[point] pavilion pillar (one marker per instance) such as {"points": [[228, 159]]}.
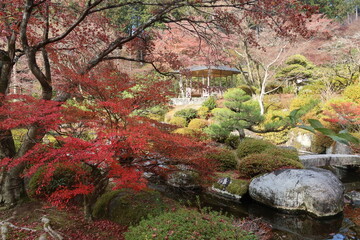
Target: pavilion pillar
{"points": [[181, 86], [208, 85], [203, 93]]}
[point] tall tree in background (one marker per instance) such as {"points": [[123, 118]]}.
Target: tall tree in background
{"points": [[63, 43], [336, 9]]}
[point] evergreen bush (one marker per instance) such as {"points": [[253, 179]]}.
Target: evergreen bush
{"points": [[187, 113], [260, 163], [232, 141], [225, 158], [250, 146], [210, 103]]}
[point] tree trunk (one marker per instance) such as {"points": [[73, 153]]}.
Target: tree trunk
{"points": [[12, 186], [241, 134]]}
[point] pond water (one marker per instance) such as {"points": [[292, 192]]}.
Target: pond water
{"points": [[295, 226]]}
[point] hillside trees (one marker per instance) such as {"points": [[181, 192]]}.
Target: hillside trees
{"points": [[336, 9], [65, 44]]}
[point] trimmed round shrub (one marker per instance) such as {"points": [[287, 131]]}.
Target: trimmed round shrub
{"points": [[225, 158], [128, 207], [187, 113], [198, 123], [232, 141], [188, 224], [178, 121], [210, 103], [260, 163], [204, 112], [352, 92], [250, 145], [188, 132], [282, 152]]}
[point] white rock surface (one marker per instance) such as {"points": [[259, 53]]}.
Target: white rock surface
{"points": [[314, 190]]}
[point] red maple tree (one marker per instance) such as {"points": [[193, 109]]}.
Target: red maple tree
{"points": [[66, 45]]}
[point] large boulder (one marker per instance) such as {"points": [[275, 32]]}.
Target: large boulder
{"points": [[314, 190]]}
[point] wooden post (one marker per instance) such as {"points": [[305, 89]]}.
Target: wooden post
{"points": [[203, 87]]}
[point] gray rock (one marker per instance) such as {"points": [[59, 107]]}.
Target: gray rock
{"points": [[300, 139], [316, 191], [353, 197], [339, 148], [183, 179]]}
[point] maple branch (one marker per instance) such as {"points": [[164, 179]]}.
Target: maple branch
{"points": [[85, 13], [140, 61], [122, 40]]}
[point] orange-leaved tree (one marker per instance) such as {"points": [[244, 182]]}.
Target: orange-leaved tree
{"points": [[64, 46]]}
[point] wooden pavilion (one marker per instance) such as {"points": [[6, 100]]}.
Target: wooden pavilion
{"points": [[204, 81]]}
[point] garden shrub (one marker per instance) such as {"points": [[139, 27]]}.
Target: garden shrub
{"points": [[204, 112], [250, 145], [128, 206], [275, 119], [156, 117], [184, 131], [282, 152], [216, 133], [157, 113], [260, 163], [188, 224], [197, 123], [187, 113], [225, 158], [178, 121], [232, 141], [276, 137], [352, 92], [210, 103]]}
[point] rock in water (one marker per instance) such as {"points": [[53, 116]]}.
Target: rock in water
{"points": [[314, 190]]}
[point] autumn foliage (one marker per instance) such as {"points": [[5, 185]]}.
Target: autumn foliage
{"points": [[101, 137]]}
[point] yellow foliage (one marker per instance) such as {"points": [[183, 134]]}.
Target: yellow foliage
{"points": [[178, 121], [198, 123], [353, 92]]}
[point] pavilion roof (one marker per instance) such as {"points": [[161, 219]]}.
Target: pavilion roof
{"points": [[212, 71]]}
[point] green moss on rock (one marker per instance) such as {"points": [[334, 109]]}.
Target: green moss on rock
{"points": [[128, 207]]}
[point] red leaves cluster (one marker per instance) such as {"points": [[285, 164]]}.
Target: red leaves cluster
{"points": [[22, 111], [346, 114], [101, 137]]}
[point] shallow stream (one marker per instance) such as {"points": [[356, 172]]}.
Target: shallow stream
{"points": [[295, 226]]}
